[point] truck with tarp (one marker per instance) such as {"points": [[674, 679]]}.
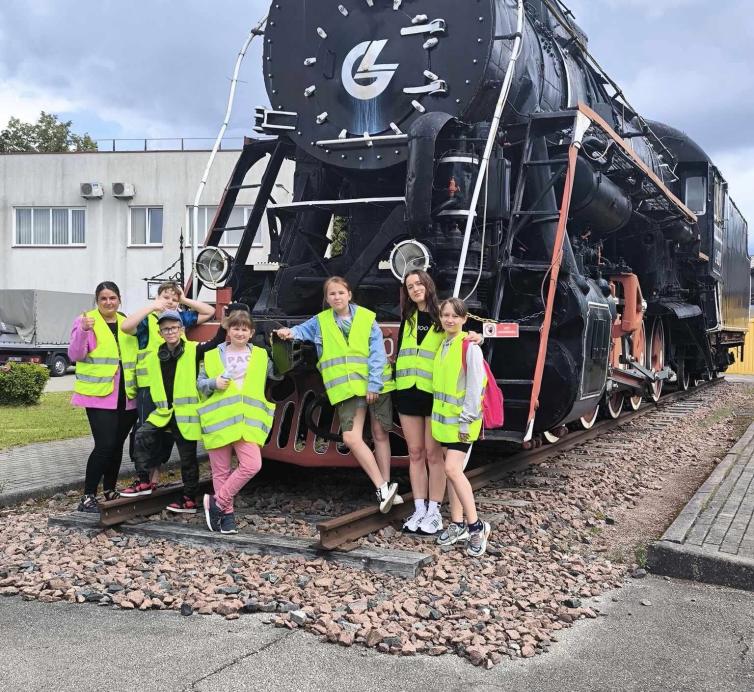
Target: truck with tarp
{"points": [[35, 326]]}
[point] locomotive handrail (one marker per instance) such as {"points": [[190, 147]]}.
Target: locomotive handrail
{"points": [[255, 31], [502, 98]]}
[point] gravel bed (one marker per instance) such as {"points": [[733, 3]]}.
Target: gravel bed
{"points": [[555, 528]]}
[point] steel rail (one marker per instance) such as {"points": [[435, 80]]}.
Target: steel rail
{"points": [[348, 528], [340, 531]]}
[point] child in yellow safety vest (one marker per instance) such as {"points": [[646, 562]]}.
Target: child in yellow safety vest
{"points": [[357, 376], [170, 376], [235, 416], [458, 389], [419, 338]]}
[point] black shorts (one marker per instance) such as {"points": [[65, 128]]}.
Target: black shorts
{"points": [[458, 446], [413, 402]]}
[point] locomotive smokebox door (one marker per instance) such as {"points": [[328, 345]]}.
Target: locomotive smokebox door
{"points": [[364, 72]]}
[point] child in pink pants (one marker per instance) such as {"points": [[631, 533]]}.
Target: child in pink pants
{"points": [[222, 379], [227, 483]]}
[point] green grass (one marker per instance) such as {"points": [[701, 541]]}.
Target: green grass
{"points": [[53, 418], [717, 415]]}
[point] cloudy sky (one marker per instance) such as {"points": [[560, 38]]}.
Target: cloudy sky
{"points": [[142, 69]]}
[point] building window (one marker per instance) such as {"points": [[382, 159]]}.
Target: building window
{"points": [[146, 226], [238, 217], [50, 226]]}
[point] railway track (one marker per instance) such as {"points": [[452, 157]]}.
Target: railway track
{"points": [[342, 532]]}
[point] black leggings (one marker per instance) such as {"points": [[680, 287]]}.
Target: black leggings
{"points": [[110, 429]]}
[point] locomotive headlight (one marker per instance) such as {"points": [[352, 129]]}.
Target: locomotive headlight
{"points": [[213, 266], [408, 256]]}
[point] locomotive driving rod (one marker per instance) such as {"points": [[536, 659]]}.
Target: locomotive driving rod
{"points": [[338, 532]]}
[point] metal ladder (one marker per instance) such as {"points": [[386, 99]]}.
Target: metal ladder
{"points": [[520, 218]]}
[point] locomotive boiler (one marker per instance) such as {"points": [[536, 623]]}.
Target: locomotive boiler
{"points": [[599, 251]]}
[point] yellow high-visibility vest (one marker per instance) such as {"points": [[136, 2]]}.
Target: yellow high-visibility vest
{"points": [[154, 342], [344, 365], [185, 394], [448, 400], [95, 374], [237, 414], [415, 363]]}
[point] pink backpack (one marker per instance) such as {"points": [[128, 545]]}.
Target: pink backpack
{"points": [[492, 397]]}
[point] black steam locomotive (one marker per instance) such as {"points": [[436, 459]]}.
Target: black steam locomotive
{"points": [[481, 139]]}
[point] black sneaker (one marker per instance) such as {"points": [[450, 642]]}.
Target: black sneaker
{"points": [[212, 513], [228, 523], [111, 495], [88, 504]]}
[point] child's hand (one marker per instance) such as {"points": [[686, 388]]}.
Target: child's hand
{"points": [[158, 305], [87, 323], [222, 383], [474, 338], [283, 333], [372, 397]]}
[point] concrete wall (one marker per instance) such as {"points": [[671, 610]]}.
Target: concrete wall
{"points": [[166, 179]]}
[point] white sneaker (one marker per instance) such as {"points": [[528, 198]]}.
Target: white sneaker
{"points": [[397, 500], [411, 525], [477, 544], [386, 499], [430, 524]]}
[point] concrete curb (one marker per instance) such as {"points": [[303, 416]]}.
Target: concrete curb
{"points": [[696, 564], [673, 557], [10, 499]]}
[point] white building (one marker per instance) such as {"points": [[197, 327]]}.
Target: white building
{"points": [[53, 237]]}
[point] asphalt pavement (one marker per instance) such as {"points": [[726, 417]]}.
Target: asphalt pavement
{"points": [[689, 637], [61, 384]]}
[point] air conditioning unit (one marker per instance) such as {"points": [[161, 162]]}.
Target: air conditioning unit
{"points": [[123, 190], [92, 190]]}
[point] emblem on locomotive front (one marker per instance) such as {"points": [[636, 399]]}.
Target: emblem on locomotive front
{"points": [[380, 75]]}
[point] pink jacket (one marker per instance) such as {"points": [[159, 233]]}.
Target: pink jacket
{"points": [[84, 342]]}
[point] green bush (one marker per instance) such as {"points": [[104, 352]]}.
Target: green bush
{"points": [[22, 383]]}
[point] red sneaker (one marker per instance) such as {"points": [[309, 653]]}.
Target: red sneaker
{"points": [[138, 488], [183, 506]]}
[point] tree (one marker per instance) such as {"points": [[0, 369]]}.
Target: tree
{"points": [[339, 236], [48, 134]]}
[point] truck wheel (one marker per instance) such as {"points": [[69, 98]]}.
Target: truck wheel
{"points": [[58, 365]]}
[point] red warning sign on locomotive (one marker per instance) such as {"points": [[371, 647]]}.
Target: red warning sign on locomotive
{"points": [[501, 330]]}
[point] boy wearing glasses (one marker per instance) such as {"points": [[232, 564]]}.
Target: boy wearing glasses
{"points": [[170, 375], [143, 325]]}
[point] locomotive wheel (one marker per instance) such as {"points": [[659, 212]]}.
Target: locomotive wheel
{"points": [[634, 402], [587, 422], [703, 376], [656, 357], [613, 405], [554, 435], [550, 438], [684, 378]]}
